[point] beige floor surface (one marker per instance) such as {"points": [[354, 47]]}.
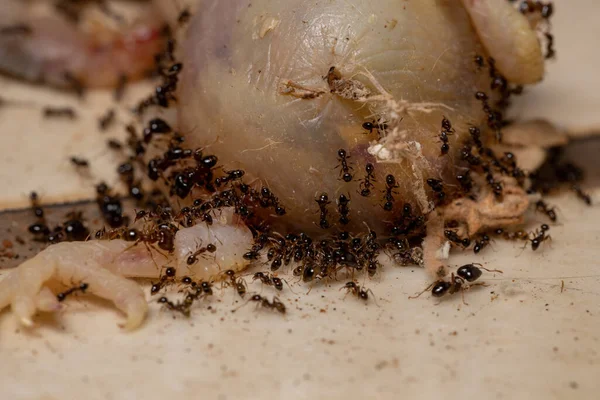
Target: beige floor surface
{"points": [[520, 338]]}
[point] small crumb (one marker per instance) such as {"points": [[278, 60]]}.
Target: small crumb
{"points": [[573, 385], [7, 244]]}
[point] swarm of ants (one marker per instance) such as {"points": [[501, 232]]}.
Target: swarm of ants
{"points": [[333, 253]]}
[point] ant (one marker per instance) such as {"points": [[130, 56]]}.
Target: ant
{"points": [[18, 29], [345, 171], [239, 284], [184, 16], [323, 201], [481, 243], [479, 61], [269, 280], [582, 195], [541, 206], [476, 136], [539, 237], [231, 176], [467, 273], [193, 258], [164, 280], [378, 125], [444, 133], [465, 181], [156, 125], [114, 144], [359, 291], [367, 184], [275, 304], [454, 238], [344, 209], [79, 162], [390, 185], [63, 295], [437, 186], [182, 307], [56, 112], [106, 120]]}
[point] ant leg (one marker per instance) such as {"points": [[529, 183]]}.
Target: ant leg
{"points": [[424, 290]]}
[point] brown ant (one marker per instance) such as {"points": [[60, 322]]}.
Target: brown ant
{"points": [[193, 258], [541, 206], [63, 295], [345, 171], [367, 184], [390, 185], [359, 291]]}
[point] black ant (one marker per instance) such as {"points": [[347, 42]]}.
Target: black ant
{"points": [[481, 243], [367, 184], [181, 307], [438, 187], [106, 120], [56, 112], [345, 171], [164, 280], [269, 280], [479, 61], [344, 209], [184, 16], [193, 258], [230, 177], [156, 125], [370, 126], [539, 237], [323, 201], [454, 238], [63, 295], [465, 181], [79, 162], [18, 29], [359, 291], [476, 136], [467, 273], [275, 304], [446, 131], [582, 195], [239, 284], [390, 185], [114, 144], [541, 206]]}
